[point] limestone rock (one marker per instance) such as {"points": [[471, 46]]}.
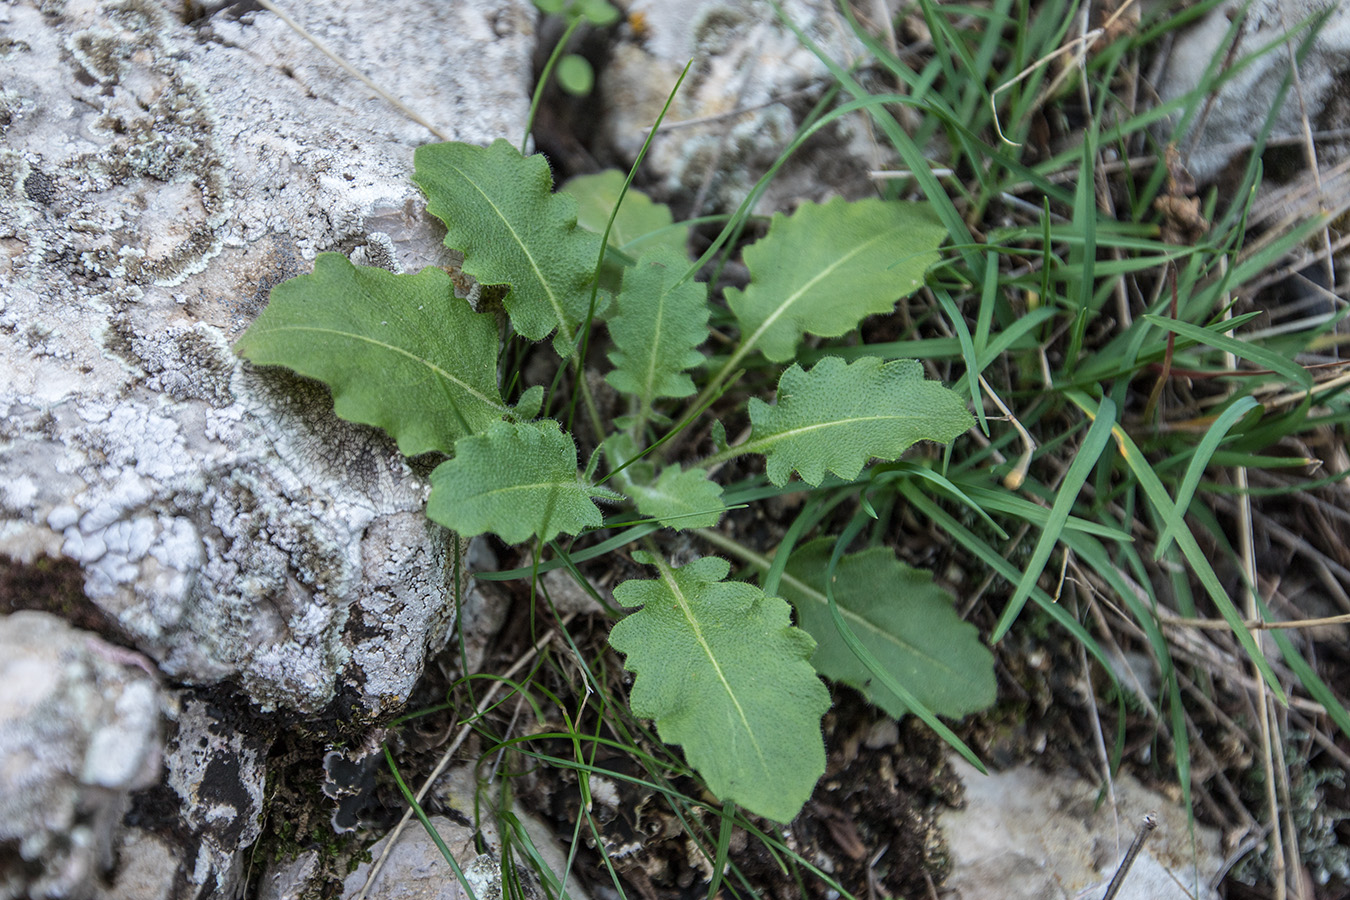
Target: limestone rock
{"points": [[157, 178], [751, 85], [1028, 835], [416, 869], [1239, 111], [79, 732], [147, 869]]}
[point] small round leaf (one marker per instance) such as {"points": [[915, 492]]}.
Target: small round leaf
{"points": [[575, 75]]}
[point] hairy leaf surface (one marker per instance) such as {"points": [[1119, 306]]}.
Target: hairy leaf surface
{"points": [[656, 328], [499, 210], [641, 224], [515, 480], [399, 352], [837, 416], [724, 674], [905, 620], [824, 268], [680, 498]]}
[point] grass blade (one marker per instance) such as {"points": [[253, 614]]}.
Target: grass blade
{"points": [[1084, 460]]}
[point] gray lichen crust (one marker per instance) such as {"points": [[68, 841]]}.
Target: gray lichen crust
{"points": [[157, 179]]}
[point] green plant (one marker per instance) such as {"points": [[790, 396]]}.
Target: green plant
{"points": [[718, 664], [1153, 429]]}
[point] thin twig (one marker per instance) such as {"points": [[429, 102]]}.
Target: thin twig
{"points": [[1014, 479], [1099, 740], [1309, 146], [1264, 701], [1145, 829], [1251, 624], [676, 124], [1070, 47]]}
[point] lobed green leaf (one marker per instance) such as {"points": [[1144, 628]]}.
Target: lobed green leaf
{"points": [[516, 481], [724, 674], [680, 498], [905, 620], [657, 327], [399, 352], [824, 268], [837, 416], [641, 224], [499, 209]]}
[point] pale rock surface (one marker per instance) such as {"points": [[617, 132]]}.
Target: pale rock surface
{"points": [[460, 789], [416, 870], [290, 879], [79, 733], [147, 869], [157, 178], [1242, 105], [751, 84], [1028, 835]]}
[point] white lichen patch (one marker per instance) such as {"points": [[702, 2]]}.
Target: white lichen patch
{"points": [[140, 184]]}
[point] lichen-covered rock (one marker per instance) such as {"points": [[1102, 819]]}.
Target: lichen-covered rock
{"points": [[750, 87], [79, 732], [216, 771], [157, 178]]}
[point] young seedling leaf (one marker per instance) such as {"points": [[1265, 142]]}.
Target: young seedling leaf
{"points": [[399, 352], [597, 12], [516, 480], [724, 674], [837, 416], [641, 224], [824, 268], [905, 620], [575, 75], [679, 499], [656, 328], [499, 210]]}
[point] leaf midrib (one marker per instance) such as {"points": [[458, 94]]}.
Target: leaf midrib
{"points": [[649, 388], [752, 445], [558, 311], [463, 385], [686, 609], [801, 291]]}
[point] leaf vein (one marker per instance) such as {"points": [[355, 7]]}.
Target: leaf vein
{"points": [[465, 386], [796, 295], [558, 311], [689, 616]]}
